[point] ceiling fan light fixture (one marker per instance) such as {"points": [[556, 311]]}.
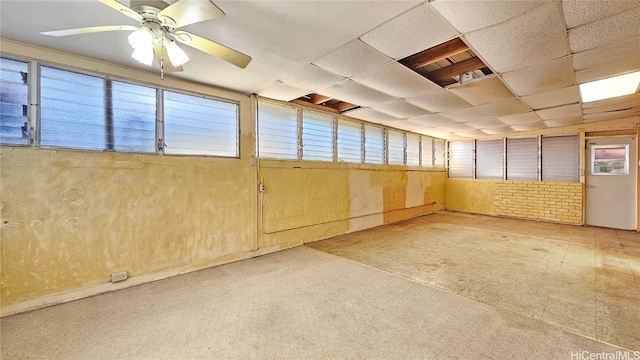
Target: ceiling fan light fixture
{"points": [[177, 56], [143, 55], [141, 38]]}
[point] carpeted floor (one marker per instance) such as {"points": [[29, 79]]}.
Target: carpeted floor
{"points": [[295, 304]]}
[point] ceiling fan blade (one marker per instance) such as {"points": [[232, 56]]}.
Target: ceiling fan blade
{"points": [[123, 9], [185, 12], [161, 53], [212, 48], [88, 30]]}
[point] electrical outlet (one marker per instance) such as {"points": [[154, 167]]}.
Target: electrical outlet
{"points": [[119, 276]]}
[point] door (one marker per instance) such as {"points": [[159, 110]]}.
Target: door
{"points": [[611, 182]]}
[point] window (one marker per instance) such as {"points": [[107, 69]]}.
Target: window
{"points": [[88, 112], [13, 102], [489, 159], [439, 151], [427, 152], [396, 147], [277, 131], [374, 144], [349, 141], [196, 125], [413, 150], [560, 158], [317, 136], [461, 160], [610, 159], [522, 159]]}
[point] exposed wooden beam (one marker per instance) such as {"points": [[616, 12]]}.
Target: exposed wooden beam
{"points": [[344, 106], [315, 106], [318, 99], [436, 53], [456, 69]]}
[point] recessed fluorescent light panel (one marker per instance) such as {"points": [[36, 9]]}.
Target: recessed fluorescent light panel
{"points": [[609, 88]]}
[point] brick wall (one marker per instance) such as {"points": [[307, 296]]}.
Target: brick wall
{"points": [[550, 201]]}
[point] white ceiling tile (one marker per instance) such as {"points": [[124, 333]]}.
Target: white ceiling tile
{"points": [[498, 130], [457, 127], [433, 120], [370, 115], [630, 64], [529, 126], [531, 38], [464, 115], [607, 31], [486, 123], [580, 12], [482, 91], [473, 15], [401, 109], [470, 133], [530, 117], [284, 92], [572, 120], [606, 54], [355, 93], [408, 125], [552, 98], [447, 135], [504, 108], [351, 59], [418, 29], [560, 112], [439, 101], [552, 75], [312, 78], [397, 80]]}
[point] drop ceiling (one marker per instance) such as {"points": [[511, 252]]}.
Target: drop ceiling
{"points": [[348, 56]]}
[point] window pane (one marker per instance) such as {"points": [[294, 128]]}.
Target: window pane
{"points": [[610, 159], [13, 102], [439, 150], [349, 141], [317, 136], [278, 131], [199, 126], [461, 160], [427, 152], [489, 159], [72, 110], [373, 144], [134, 117], [522, 159], [396, 148], [560, 158], [413, 150]]}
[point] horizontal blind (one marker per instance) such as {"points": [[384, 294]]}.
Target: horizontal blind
{"points": [[13, 102], [349, 141], [413, 150], [72, 110], [200, 126], [278, 131], [317, 136], [373, 144], [396, 148], [427, 152], [134, 117], [461, 160], [560, 158], [522, 159], [439, 152], [489, 159]]}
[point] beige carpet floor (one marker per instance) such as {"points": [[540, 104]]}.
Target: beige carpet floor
{"points": [[295, 304]]}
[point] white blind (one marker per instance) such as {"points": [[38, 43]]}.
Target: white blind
{"points": [[373, 144], [13, 102], [278, 131], [489, 159], [396, 147], [349, 141], [413, 150], [439, 151], [560, 158], [199, 126], [461, 160], [317, 136], [522, 159], [427, 152]]}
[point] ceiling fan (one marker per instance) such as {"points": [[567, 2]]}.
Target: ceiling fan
{"points": [[158, 32]]}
